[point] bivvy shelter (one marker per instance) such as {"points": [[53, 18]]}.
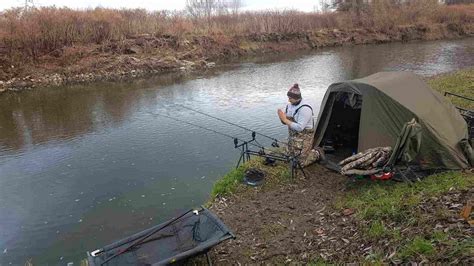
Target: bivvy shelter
{"points": [[396, 109]]}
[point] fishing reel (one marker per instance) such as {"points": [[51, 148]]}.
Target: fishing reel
{"points": [[275, 144]]}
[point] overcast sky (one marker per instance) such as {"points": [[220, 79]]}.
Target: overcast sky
{"points": [[302, 5]]}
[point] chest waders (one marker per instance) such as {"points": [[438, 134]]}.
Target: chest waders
{"points": [[300, 142]]}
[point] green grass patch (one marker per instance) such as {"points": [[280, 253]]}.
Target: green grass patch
{"points": [[375, 258], [393, 201], [381, 204], [418, 246], [462, 248], [439, 236], [377, 230], [228, 183], [460, 82], [232, 181]]}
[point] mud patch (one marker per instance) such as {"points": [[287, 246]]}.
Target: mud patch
{"points": [[292, 222]]}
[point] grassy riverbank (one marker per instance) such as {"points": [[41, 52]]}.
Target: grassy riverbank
{"points": [[329, 219], [414, 222], [52, 46], [231, 183], [460, 82]]}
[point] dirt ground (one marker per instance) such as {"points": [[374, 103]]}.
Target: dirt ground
{"points": [[287, 223], [298, 223]]}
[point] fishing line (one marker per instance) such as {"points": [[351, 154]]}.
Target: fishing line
{"points": [[207, 129], [243, 145], [233, 124]]}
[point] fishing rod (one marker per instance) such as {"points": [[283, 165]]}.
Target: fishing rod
{"points": [[245, 152], [236, 139], [275, 141]]}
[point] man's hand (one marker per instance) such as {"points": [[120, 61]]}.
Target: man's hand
{"points": [[281, 115], [284, 120]]}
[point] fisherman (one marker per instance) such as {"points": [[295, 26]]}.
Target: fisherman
{"points": [[298, 116]]}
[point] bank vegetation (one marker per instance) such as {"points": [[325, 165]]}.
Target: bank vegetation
{"points": [[75, 44]]}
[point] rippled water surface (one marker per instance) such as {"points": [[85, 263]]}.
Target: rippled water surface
{"points": [[81, 166]]}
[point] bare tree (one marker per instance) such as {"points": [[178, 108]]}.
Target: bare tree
{"points": [[235, 6], [324, 6], [220, 7], [346, 5], [208, 8], [201, 8]]}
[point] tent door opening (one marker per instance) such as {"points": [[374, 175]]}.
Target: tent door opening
{"points": [[341, 138]]}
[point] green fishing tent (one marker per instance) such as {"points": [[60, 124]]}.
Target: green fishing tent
{"points": [[396, 109]]}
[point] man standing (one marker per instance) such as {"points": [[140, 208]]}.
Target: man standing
{"points": [[298, 116]]}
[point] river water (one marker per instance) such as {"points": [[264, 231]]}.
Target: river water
{"points": [[81, 166]]}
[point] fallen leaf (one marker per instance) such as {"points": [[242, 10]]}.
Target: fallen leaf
{"points": [[348, 212], [466, 211], [319, 231], [367, 248], [392, 255]]}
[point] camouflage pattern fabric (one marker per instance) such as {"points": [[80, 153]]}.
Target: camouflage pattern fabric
{"points": [[300, 143]]}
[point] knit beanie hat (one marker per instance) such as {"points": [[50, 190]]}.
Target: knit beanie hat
{"points": [[294, 92]]}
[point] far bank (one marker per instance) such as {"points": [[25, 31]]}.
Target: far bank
{"points": [[35, 55]]}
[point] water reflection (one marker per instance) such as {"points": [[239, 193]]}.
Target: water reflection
{"points": [[81, 166], [35, 117]]}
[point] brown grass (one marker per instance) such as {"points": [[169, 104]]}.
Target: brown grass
{"points": [[44, 31]]}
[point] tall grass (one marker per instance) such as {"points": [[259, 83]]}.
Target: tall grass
{"points": [[42, 31]]}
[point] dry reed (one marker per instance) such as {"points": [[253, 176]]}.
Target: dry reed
{"points": [[43, 31]]}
